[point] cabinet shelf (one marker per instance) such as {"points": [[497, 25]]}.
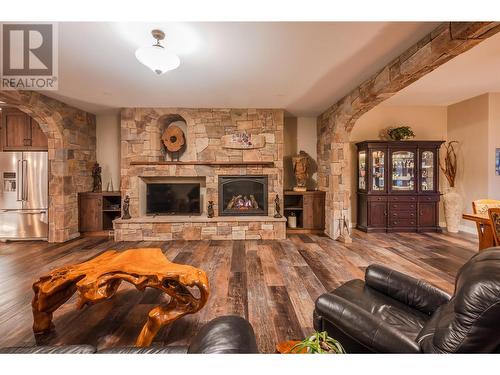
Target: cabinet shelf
{"points": [[95, 212], [309, 209]]}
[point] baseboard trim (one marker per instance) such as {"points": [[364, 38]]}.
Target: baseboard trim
{"points": [[442, 224], [461, 228], [466, 229]]}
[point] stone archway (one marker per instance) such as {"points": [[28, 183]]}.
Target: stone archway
{"points": [[71, 152], [334, 125]]}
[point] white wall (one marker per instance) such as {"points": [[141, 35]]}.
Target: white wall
{"points": [[300, 134], [475, 124], [108, 148], [493, 144], [307, 139], [427, 122]]}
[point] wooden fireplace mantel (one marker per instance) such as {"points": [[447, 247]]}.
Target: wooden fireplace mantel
{"points": [[212, 163]]}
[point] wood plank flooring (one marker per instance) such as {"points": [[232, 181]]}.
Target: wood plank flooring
{"points": [[271, 283]]}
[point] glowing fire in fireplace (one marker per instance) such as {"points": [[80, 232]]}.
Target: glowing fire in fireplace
{"points": [[242, 202]]}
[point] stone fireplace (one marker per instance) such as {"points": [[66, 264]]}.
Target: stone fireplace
{"points": [[242, 195], [207, 161]]}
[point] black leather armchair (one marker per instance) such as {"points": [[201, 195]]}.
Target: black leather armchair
{"points": [[224, 335], [394, 313]]}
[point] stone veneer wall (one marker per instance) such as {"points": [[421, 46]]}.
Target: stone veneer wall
{"points": [[71, 153], [335, 124], [140, 141], [136, 230]]}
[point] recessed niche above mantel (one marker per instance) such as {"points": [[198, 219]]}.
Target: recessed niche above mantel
{"points": [[212, 163]]}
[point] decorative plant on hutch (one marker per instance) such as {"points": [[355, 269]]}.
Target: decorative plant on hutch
{"points": [[451, 199], [400, 133]]}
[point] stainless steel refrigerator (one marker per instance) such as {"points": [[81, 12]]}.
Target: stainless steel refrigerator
{"points": [[24, 195]]}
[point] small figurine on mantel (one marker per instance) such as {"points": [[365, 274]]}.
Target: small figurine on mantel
{"points": [[301, 170], [277, 208], [210, 209], [96, 176], [126, 208]]}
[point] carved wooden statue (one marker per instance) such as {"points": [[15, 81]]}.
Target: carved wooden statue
{"points": [[210, 209], [126, 208], [277, 208], [301, 170], [98, 279], [96, 176]]}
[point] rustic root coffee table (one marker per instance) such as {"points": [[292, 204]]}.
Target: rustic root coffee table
{"points": [[99, 278]]}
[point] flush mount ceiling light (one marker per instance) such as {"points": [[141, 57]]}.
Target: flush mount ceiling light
{"points": [[156, 57]]}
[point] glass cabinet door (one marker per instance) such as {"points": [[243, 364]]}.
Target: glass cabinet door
{"points": [[378, 170], [403, 170], [362, 170], [427, 171]]}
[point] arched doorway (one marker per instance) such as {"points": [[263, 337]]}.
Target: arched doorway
{"points": [[71, 152]]}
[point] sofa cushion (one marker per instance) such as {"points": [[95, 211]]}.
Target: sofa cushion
{"points": [[469, 323], [405, 319], [146, 350], [66, 349]]}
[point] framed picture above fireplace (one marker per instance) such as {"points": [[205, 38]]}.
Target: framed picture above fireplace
{"points": [[243, 195]]}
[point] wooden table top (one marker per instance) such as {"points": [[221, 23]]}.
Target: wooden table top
{"points": [[482, 218], [98, 279]]}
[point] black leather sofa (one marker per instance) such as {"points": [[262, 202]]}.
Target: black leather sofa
{"points": [[393, 313], [224, 335]]}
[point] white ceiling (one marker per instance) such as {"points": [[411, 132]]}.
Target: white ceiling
{"points": [[301, 67], [472, 73]]}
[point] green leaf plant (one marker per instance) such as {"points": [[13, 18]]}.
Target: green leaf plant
{"points": [[318, 343], [400, 133]]}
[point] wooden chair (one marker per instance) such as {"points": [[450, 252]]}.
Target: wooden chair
{"points": [[481, 206], [494, 214], [485, 231]]}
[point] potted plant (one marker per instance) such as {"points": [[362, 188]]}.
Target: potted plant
{"points": [[400, 133], [451, 199], [318, 343]]}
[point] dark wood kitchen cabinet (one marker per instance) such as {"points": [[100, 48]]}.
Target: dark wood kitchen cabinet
{"points": [[398, 186], [20, 132], [96, 211]]}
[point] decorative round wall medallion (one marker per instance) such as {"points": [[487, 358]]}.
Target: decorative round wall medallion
{"points": [[173, 138]]}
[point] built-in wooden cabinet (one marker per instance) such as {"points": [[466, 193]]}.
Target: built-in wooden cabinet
{"points": [[398, 186], [308, 207], [97, 211], [20, 132]]}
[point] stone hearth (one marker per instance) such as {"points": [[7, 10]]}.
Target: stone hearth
{"points": [[166, 228], [141, 130]]}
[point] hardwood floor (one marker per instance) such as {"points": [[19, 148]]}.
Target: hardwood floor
{"points": [[271, 283]]}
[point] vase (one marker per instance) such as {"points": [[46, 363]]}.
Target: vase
{"points": [[452, 210]]}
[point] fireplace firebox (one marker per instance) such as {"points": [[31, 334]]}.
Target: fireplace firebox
{"points": [[242, 195]]}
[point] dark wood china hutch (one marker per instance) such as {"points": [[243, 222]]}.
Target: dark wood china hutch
{"points": [[398, 186]]}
